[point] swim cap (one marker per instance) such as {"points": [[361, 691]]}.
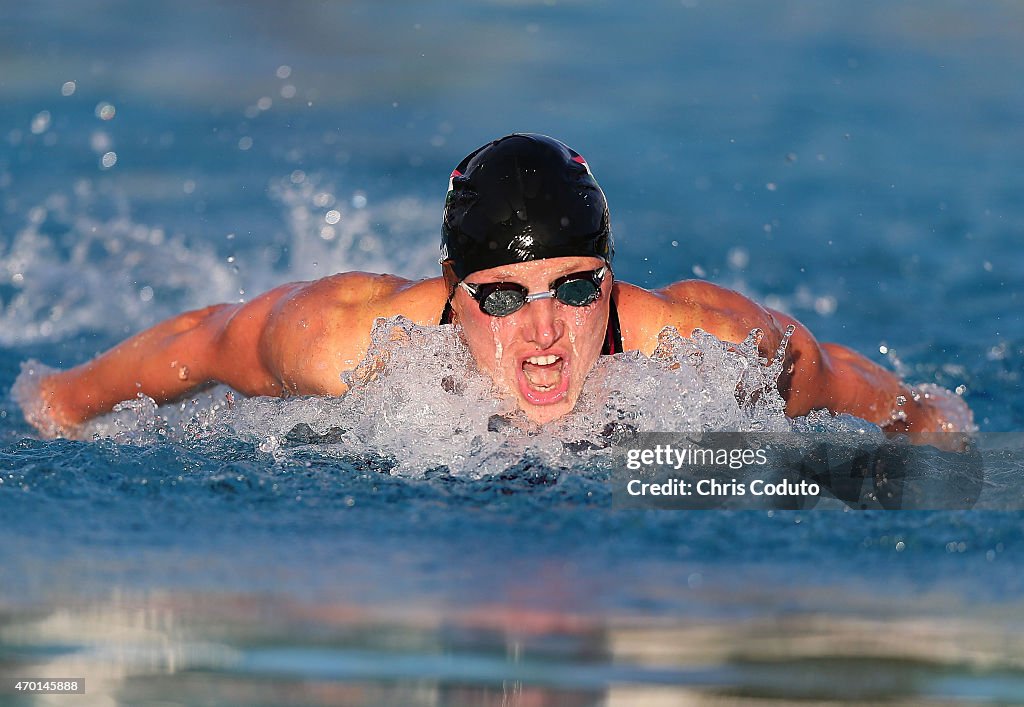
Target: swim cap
{"points": [[522, 197]]}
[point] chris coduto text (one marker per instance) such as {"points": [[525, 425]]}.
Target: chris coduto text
{"points": [[667, 456]]}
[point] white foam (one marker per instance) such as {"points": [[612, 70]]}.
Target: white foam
{"points": [[25, 393], [419, 399]]}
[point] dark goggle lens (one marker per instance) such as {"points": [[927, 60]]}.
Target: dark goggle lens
{"points": [[578, 292], [503, 302]]}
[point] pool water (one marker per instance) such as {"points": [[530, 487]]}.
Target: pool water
{"points": [[857, 166]]}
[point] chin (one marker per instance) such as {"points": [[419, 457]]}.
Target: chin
{"points": [[541, 414]]}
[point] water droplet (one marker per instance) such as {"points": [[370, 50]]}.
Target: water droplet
{"points": [[41, 122], [99, 141], [265, 103], [108, 160], [105, 111], [901, 400], [332, 217], [883, 349], [288, 91], [825, 305], [68, 88], [284, 71], [146, 293], [738, 258], [245, 143]]}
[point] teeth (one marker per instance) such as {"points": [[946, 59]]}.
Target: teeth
{"points": [[542, 360]]}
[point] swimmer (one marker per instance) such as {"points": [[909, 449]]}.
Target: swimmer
{"points": [[527, 276]]}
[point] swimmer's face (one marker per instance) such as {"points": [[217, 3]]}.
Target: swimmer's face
{"points": [[542, 353]]}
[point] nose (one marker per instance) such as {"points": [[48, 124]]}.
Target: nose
{"points": [[542, 323]]}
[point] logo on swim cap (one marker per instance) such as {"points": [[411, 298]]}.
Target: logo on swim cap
{"points": [[455, 173], [522, 197], [579, 159]]}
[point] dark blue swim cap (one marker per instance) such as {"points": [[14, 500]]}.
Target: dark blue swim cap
{"points": [[522, 197]]}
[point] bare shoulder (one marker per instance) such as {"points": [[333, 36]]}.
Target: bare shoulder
{"points": [[688, 305], [317, 330], [352, 291]]}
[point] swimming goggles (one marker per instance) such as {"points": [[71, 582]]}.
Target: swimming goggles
{"points": [[500, 299]]}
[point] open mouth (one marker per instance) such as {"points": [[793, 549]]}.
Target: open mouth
{"points": [[543, 379]]}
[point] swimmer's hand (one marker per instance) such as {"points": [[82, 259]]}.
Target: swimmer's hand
{"points": [[931, 415], [33, 390]]}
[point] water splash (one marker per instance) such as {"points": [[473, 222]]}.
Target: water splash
{"points": [[25, 393], [418, 400], [67, 270], [329, 234]]}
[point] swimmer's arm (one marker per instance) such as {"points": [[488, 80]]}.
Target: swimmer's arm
{"points": [[833, 377], [815, 376], [297, 339], [165, 362]]}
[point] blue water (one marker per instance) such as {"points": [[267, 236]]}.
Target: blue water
{"points": [[857, 165]]}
